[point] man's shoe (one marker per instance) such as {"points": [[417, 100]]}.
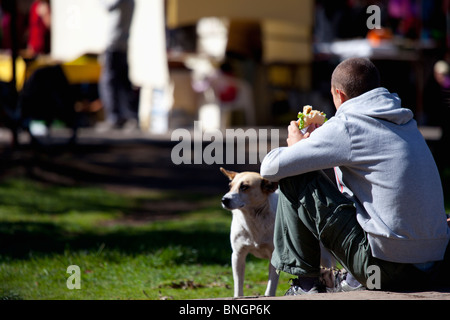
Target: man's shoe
{"points": [[341, 284], [345, 287], [130, 125], [296, 288], [106, 126]]}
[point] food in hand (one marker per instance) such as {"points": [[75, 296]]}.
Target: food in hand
{"points": [[310, 116]]}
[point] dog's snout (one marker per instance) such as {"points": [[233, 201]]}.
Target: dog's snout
{"points": [[232, 201], [226, 202]]}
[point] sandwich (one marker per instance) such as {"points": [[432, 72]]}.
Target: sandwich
{"points": [[310, 116]]}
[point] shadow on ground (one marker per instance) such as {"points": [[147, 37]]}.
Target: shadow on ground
{"points": [[125, 164], [196, 245]]}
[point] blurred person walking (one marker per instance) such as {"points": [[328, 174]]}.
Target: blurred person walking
{"points": [[115, 86], [40, 22]]}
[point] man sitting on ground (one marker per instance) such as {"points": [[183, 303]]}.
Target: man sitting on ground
{"points": [[388, 209]]}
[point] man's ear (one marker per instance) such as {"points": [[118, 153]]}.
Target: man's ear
{"points": [[268, 186], [229, 174], [342, 95]]}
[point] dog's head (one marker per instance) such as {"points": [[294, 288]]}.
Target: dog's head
{"points": [[247, 189]]}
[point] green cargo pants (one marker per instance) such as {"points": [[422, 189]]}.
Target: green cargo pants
{"points": [[311, 209]]}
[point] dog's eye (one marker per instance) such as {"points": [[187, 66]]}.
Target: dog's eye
{"points": [[243, 187]]}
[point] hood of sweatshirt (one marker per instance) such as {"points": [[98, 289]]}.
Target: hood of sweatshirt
{"points": [[378, 103]]}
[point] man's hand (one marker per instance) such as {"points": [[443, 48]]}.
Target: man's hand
{"points": [[295, 135]]}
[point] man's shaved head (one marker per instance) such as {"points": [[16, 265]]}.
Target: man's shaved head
{"points": [[355, 76]]}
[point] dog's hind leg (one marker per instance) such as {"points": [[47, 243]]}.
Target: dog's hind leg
{"points": [[273, 282], [238, 265]]}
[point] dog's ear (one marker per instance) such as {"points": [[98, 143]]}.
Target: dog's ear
{"points": [[229, 174], [268, 186]]}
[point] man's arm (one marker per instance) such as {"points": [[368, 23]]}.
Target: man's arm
{"points": [[326, 147]]}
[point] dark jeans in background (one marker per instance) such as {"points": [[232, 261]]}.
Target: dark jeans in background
{"points": [[115, 88]]}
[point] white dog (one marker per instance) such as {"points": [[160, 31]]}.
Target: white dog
{"points": [[253, 202]]}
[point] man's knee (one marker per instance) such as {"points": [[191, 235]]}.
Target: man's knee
{"points": [[293, 187]]}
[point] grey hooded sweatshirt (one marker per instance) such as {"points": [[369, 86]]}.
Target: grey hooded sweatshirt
{"points": [[384, 165]]}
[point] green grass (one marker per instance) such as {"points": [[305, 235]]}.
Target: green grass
{"points": [[121, 255]]}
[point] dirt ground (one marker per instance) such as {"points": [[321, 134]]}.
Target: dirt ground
{"points": [[132, 163], [363, 295]]}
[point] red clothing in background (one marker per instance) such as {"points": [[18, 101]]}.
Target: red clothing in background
{"points": [[39, 38]]}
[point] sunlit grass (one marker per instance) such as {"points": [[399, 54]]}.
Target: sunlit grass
{"points": [[45, 229]]}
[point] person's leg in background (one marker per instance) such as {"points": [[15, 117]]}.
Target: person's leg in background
{"points": [[108, 89]]}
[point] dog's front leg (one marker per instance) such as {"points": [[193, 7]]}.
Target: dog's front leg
{"points": [[238, 265], [273, 281]]}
